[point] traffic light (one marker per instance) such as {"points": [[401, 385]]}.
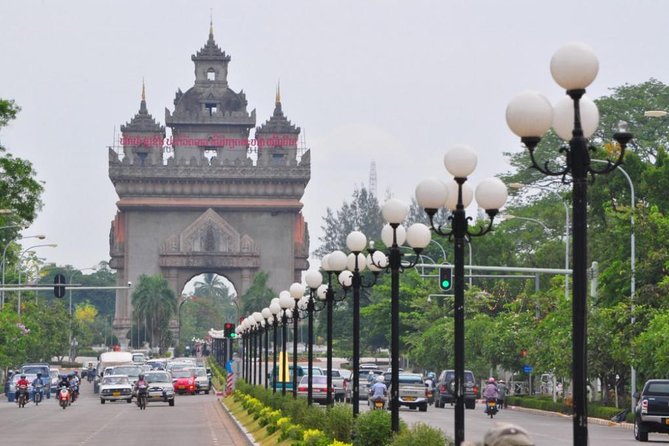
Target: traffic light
{"points": [[229, 330], [59, 286], [445, 278]]}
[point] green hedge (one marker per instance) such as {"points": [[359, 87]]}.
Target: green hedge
{"points": [[546, 403]]}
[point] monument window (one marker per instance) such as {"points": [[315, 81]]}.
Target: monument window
{"points": [[211, 75], [277, 158], [211, 107]]}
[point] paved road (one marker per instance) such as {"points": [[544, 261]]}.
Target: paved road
{"points": [[547, 430], [194, 420]]}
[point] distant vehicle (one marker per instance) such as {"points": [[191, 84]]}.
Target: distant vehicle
{"points": [[367, 377], [318, 388], [288, 381], [160, 387], [412, 390], [338, 378], [110, 359], [652, 409], [132, 371], [115, 388], [202, 380], [138, 358], [184, 381], [443, 390], [53, 376], [42, 368]]}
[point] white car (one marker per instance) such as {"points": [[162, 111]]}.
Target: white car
{"points": [[160, 386], [202, 380], [114, 388]]}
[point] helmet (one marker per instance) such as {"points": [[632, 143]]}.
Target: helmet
{"points": [[76, 372], [380, 378], [431, 375], [141, 376], [23, 376], [491, 380], [39, 374]]}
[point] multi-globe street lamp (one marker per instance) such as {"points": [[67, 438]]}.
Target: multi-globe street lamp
{"points": [[333, 263], [275, 309], [574, 118], [269, 321], [286, 302], [418, 237], [260, 328], [433, 194], [296, 291], [4, 256]]}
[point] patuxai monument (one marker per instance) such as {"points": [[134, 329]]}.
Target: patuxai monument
{"points": [[207, 198]]}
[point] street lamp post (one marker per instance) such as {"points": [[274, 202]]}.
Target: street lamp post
{"points": [[269, 321], [4, 256], [285, 301], [335, 262], [575, 118], [314, 280], [260, 327], [296, 292], [275, 308], [418, 237], [456, 195]]}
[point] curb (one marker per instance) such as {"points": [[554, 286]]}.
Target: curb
{"points": [[249, 438], [591, 420]]}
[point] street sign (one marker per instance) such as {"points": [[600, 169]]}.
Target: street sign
{"points": [[59, 286], [527, 369]]}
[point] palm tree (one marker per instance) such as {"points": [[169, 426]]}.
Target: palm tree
{"points": [[215, 295], [155, 303]]}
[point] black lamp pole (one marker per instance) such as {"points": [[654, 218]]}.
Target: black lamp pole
{"points": [[285, 360], [275, 373], [529, 115], [296, 320], [267, 353]]}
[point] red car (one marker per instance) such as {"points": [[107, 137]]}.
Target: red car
{"points": [[184, 381]]}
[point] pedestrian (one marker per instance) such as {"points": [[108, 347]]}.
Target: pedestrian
{"points": [[504, 434]]}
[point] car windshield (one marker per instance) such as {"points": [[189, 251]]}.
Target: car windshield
{"points": [[53, 373], [410, 379], [132, 371], [200, 372], [157, 378], [316, 379], [658, 388], [115, 380], [181, 373], [33, 370]]}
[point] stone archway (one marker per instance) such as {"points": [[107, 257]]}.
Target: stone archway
{"points": [[187, 211]]}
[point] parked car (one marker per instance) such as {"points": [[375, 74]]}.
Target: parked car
{"points": [[160, 387], [319, 388], [338, 378], [652, 409], [202, 380], [115, 388], [288, 380], [443, 392], [184, 381]]}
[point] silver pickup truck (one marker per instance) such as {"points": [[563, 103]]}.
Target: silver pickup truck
{"points": [[338, 378], [412, 392]]}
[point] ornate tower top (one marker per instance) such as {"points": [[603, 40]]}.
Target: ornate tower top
{"points": [[278, 124], [143, 122]]}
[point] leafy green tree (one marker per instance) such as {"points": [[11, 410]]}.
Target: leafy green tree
{"points": [[259, 295], [155, 304], [363, 213]]}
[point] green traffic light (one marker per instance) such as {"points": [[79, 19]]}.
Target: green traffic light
{"points": [[445, 284], [232, 335]]}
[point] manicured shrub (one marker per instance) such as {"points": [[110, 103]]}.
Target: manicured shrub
{"points": [[421, 434], [372, 429], [339, 422]]}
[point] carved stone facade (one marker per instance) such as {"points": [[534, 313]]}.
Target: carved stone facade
{"points": [[189, 213]]}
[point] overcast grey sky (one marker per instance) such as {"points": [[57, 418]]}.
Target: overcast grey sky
{"points": [[393, 82]]}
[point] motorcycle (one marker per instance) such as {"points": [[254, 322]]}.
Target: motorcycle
{"points": [[74, 392], [378, 404], [491, 406], [141, 397], [22, 396], [64, 397], [38, 393], [90, 375]]}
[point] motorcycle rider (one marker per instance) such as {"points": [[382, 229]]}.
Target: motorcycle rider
{"points": [[140, 384], [431, 383], [491, 391], [38, 386], [21, 385], [74, 385], [379, 390]]}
